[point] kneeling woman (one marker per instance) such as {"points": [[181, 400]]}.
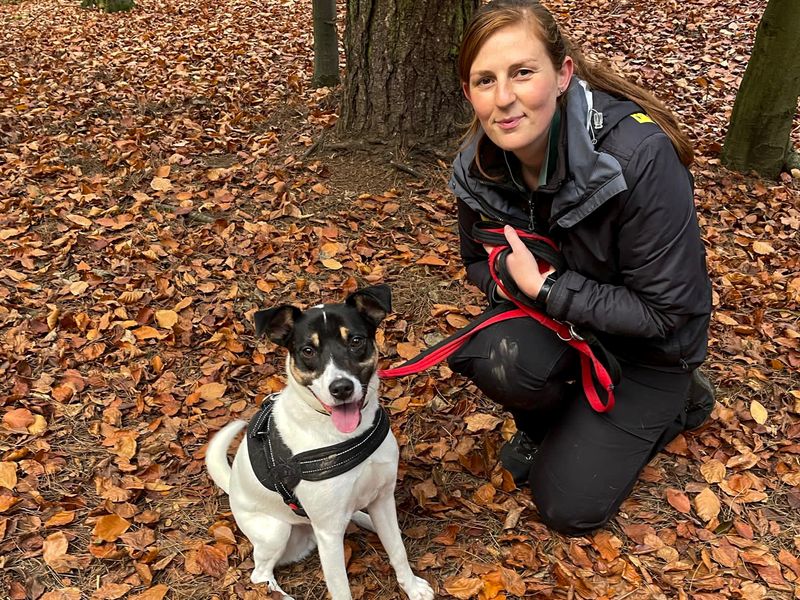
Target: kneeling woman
{"points": [[567, 149]]}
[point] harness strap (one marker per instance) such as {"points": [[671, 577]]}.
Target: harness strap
{"points": [[594, 372], [281, 471]]}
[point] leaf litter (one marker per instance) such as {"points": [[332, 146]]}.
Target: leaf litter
{"points": [[154, 193]]}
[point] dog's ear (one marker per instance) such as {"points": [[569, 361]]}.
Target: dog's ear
{"points": [[374, 302], [277, 323]]}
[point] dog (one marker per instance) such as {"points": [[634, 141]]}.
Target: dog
{"points": [[330, 402]]}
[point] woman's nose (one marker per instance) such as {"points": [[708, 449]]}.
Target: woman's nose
{"points": [[505, 94]]}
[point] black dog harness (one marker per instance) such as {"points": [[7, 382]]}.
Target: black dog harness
{"points": [[600, 370], [280, 471]]}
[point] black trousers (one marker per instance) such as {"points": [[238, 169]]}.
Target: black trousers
{"points": [[588, 462]]}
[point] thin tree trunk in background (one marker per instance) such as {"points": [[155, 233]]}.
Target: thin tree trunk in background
{"points": [[758, 137], [326, 44], [401, 78]]}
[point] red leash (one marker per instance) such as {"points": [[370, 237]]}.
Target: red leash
{"points": [[592, 370]]}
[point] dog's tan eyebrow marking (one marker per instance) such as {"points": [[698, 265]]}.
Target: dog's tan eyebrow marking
{"points": [[344, 332], [315, 339]]}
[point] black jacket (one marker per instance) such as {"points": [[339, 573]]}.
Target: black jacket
{"points": [[620, 206]]}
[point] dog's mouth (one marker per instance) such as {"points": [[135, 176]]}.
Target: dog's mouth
{"points": [[345, 417]]}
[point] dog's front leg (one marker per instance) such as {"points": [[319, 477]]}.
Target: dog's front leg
{"points": [[384, 516], [330, 543]]}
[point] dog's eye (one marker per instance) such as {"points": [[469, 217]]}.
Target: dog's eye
{"points": [[357, 342], [308, 352]]}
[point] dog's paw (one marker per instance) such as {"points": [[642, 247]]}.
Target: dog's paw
{"points": [[419, 590]]}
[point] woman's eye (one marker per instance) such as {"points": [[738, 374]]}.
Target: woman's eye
{"points": [[357, 343], [483, 81], [524, 73], [308, 352]]}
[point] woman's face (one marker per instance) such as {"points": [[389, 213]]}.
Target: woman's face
{"points": [[513, 88]]}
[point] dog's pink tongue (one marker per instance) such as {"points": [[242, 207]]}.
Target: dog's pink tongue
{"points": [[346, 417]]}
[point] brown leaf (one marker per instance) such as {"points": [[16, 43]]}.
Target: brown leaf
{"points": [[481, 422], [407, 350], [463, 588], [8, 475], [70, 593], [111, 591], [79, 220], [212, 560], [706, 505], [679, 501], [212, 391], [713, 471], [763, 248], [18, 419], [161, 184], [758, 412], [431, 260], [457, 321], [157, 592]]}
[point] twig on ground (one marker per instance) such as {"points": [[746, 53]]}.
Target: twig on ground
{"points": [[406, 169]]}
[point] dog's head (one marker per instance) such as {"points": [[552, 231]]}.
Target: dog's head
{"points": [[332, 349]]}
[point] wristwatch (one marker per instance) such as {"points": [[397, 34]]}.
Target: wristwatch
{"points": [[544, 291]]}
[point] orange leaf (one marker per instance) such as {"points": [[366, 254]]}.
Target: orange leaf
{"points": [[407, 350], [79, 220], [60, 518], [331, 263], [457, 321], [146, 332], [212, 391], [679, 501], [607, 545], [434, 261], [109, 527], [157, 592], [166, 318], [18, 419], [70, 593]]}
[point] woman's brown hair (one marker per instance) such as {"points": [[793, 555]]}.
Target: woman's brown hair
{"points": [[503, 13]]}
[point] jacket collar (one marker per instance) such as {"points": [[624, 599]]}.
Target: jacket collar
{"points": [[585, 177]]}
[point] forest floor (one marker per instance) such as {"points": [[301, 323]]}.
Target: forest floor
{"points": [[156, 188]]}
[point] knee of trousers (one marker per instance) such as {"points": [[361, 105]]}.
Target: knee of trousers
{"points": [[568, 517], [515, 376]]}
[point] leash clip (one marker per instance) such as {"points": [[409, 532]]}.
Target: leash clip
{"points": [[573, 335]]}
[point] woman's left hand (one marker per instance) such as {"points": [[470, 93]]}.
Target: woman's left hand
{"points": [[522, 265]]}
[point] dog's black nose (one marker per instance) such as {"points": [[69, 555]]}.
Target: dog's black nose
{"points": [[341, 389]]}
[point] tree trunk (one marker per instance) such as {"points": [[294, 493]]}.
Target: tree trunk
{"points": [[401, 81], [326, 44], [759, 133]]}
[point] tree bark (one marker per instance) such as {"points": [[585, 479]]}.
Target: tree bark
{"points": [[326, 44], [401, 82], [758, 137]]}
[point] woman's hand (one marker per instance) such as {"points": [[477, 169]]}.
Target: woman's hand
{"points": [[522, 266]]}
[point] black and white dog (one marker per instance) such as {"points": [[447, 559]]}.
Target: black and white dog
{"points": [[322, 450]]}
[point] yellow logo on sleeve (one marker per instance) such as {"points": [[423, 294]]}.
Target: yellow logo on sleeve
{"points": [[642, 118]]}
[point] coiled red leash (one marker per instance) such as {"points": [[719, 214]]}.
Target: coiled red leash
{"points": [[594, 373]]}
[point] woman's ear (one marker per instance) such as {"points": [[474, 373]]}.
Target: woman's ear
{"points": [[465, 89], [565, 73]]}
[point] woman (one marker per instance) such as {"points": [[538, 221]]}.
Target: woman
{"points": [[571, 151]]}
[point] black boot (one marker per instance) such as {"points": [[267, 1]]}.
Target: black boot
{"points": [[700, 402], [516, 456]]}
